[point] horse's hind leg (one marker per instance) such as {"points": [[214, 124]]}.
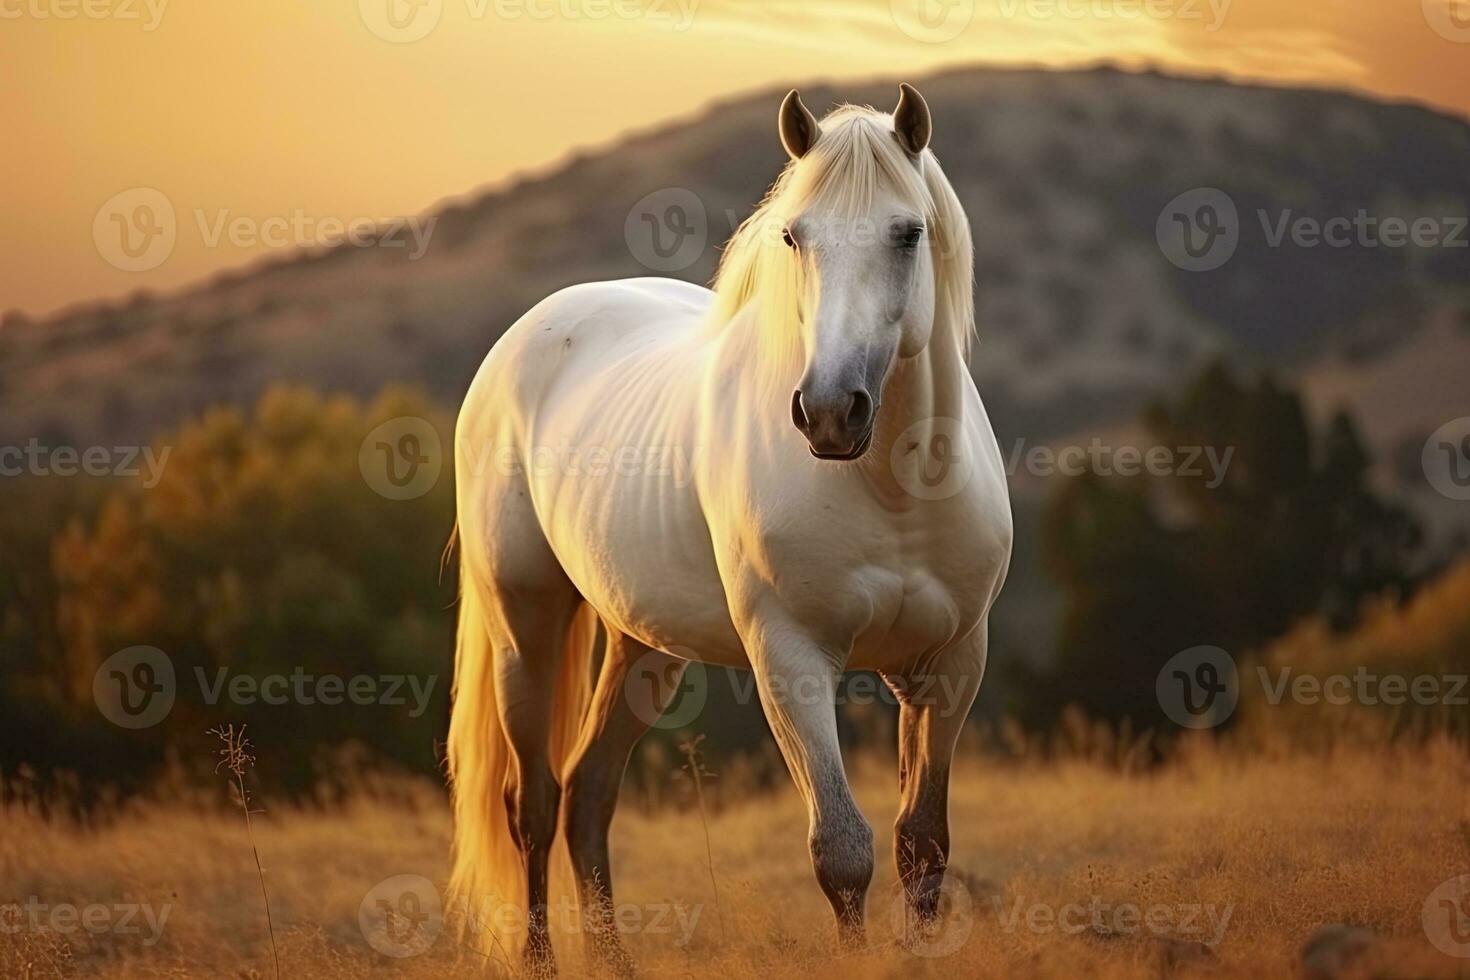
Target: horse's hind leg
{"points": [[933, 709], [527, 660], [634, 687]]}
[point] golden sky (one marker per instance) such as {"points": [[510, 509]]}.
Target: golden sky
{"points": [[289, 117]]}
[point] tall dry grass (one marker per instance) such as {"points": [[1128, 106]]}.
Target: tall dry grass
{"points": [[1256, 851], [1400, 673]]}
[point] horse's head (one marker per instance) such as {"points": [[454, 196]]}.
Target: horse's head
{"points": [[857, 216]]}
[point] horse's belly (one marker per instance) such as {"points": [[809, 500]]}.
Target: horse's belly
{"points": [[650, 574], [620, 509], [586, 407]]}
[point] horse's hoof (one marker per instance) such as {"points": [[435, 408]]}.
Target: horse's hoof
{"points": [[850, 939], [539, 963], [614, 959]]}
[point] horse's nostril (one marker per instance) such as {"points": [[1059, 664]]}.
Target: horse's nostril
{"points": [[860, 415], [798, 414]]}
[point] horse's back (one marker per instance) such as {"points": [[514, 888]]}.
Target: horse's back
{"points": [[581, 331], [566, 342]]}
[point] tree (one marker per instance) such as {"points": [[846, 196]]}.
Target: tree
{"points": [[262, 551], [1151, 565]]}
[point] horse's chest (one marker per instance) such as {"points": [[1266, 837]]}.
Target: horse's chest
{"points": [[891, 593], [911, 609]]}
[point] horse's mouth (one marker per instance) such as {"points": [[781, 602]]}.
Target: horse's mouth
{"points": [[856, 452]]}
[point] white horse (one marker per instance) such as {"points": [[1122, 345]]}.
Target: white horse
{"points": [[845, 508]]}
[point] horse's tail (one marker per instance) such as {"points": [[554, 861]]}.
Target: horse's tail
{"points": [[487, 882]]}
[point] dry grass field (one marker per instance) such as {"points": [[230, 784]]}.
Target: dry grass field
{"points": [[1218, 865]]}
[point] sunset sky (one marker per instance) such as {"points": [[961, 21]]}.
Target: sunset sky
{"points": [[346, 110]]}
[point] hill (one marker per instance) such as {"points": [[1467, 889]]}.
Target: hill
{"points": [[1064, 174]]}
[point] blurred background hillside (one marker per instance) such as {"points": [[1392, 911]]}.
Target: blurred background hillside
{"points": [[1324, 370]]}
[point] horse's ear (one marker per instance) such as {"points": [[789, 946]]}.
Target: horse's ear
{"points": [[799, 129], [912, 123]]}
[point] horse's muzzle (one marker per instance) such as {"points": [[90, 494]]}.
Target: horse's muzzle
{"points": [[837, 428]]}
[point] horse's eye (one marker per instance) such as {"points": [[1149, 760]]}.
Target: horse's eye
{"points": [[786, 237], [914, 236]]}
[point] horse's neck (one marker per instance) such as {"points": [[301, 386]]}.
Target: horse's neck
{"points": [[930, 385]]}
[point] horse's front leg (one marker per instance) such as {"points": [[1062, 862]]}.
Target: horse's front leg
{"points": [[933, 709], [797, 679]]}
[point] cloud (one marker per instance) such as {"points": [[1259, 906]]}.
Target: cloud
{"points": [[1388, 48]]}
